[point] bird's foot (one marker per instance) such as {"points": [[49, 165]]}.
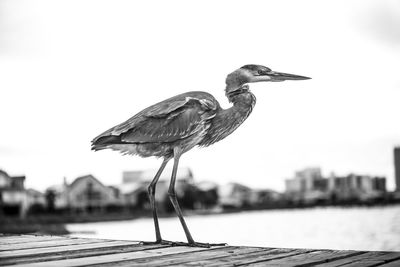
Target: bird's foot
{"points": [[163, 242], [175, 243], [205, 245]]}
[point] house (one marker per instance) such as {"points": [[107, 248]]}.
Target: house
{"points": [[265, 197], [12, 195], [135, 183], [148, 175], [207, 195], [134, 194], [85, 193], [235, 195], [35, 197]]}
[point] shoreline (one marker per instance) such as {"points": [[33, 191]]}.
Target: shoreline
{"points": [[54, 224]]}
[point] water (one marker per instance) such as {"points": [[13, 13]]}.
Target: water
{"points": [[376, 228]]}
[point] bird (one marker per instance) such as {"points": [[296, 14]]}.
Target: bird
{"points": [[174, 126]]}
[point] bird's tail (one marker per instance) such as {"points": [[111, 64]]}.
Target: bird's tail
{"points": [[103, 142], [97, 147]]}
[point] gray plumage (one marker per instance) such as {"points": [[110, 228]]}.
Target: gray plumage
{"points": [[174, 126]]}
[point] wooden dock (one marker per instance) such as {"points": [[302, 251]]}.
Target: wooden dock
{"points": [[40, 250]]}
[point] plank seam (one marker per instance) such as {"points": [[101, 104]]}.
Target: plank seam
{"points": [[389, 261], [72, 255], [58, 245], [338, 257], [223, 256], [42, 254], [276, 258], [160, 256]]}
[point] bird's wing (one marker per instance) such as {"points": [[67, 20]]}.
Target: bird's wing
{"points": [[167, 121]]}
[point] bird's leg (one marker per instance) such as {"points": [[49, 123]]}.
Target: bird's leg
{"points": [[172, 195], [174, 201], [152, 191]]}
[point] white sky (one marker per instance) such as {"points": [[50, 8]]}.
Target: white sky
{"points": [[70, 70]]}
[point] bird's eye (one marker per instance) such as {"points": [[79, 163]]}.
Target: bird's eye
{"points": [[262, 72]]}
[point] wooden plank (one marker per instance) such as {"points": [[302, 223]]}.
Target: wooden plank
{"points": [[50, 243], [375, 261], [30, 239], [367, 258], [77, 254], [395, 263], [12, 236], [37, 251], [21, 236], [307, 259], [370, 263], [112, 258], [247, 258], [15, 237], [180, 258]]}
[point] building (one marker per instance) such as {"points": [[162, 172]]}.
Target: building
{"points": [[265, 197], [235, 195], [57, 196], [35, 198], [132, 176], [397, 167], [309, 186], [352, 186], [312, 179], [135, 183], [207, 195], [13, 200], [307, 180], [148, 175], [85, 193]]}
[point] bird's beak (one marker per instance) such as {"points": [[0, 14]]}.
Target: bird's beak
{"points": [[274, 76], [280, 76]]}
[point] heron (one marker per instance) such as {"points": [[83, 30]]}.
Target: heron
{"points": [[174, 126]]}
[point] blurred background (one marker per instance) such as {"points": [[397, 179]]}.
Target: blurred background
{"points": [[314, 166]]}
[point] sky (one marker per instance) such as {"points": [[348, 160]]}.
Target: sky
{"points": [[70, 70]]}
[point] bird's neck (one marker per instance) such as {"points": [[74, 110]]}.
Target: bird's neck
{"points": [[241, 98], [228, 120], [243, 103]]}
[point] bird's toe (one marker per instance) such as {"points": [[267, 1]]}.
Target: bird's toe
{"points": [[163, 242], [176, 243], [205, 245]]}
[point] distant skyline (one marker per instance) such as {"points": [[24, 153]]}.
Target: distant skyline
{"points": [[71, 70], [148, 174]]}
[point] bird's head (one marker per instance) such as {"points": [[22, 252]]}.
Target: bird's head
{"points": [[256, 73]]}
